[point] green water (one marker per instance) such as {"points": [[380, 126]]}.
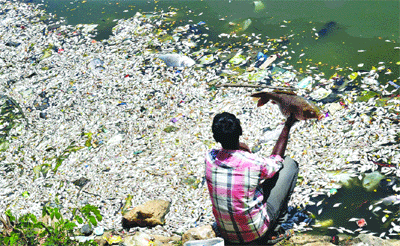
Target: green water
{"points": [[373, 26]]}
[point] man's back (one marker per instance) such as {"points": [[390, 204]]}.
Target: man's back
{"points": [[234, 179]]}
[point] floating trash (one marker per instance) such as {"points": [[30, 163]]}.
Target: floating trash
{"points": [[237, 59], [176, 60], [320, 94], [304, 83], [258, 6], [361, 223], [207, 59]]}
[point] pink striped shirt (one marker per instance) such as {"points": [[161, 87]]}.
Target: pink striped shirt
{"points": [[234, 179]]}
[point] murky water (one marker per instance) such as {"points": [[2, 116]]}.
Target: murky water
{"points": [[364, 197], [368, 26]]}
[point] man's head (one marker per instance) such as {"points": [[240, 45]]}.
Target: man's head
{"points": [[226, 130]]}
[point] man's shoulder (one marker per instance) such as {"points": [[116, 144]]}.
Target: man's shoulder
{"points": [[212, 154]]}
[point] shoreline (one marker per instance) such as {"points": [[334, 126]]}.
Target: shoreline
{"points": [[140, 128]]}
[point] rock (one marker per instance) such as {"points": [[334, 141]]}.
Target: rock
{"points": [[365, 239], [151, 213], [100, 241], [141, 238], [198, 233], [86, 230], [81, 182], [314, 240], [167, 240]]}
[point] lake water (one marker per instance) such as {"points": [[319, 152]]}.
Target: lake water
{"points": [[373, 26]]}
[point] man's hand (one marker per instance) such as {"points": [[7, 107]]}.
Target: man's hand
{"points": [[243, 146], [291, 120]]}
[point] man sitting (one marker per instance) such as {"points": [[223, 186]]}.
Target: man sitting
{"points": [[249, 193]]}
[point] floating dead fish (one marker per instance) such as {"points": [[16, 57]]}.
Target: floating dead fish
{"points": [[361, 51], [289, 103], [337, 205], [360, 65], [376, 209]]}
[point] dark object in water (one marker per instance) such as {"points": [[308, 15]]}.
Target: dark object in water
{"points": [[43, 115], [328, 28], [13, 44]]}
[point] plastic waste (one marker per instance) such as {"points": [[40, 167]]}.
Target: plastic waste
{"points": [[361, 223], [305, 82], [208, 242], [113, 239], [176, 60], [83, 239], [207, 59], [258, 6], [271, 135], [269, 60], [320, 93], [394, 84], [99, 231], [240, 25], [371, 180], [237, 59]]}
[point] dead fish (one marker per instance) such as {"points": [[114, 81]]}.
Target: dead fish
{"points": [[290, 103]]}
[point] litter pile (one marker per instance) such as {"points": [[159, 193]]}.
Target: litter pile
{"points": [[97, 122]]}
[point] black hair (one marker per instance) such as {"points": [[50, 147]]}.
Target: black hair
{"points": [[226, 130]]}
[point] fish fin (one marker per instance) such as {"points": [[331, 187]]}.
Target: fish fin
{"points": [[284, 92], [264, 98]]}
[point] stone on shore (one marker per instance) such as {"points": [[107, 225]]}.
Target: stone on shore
{"points": [[365, 239], [198, 233], [151, 213], [306, 239], [141, 238]]}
